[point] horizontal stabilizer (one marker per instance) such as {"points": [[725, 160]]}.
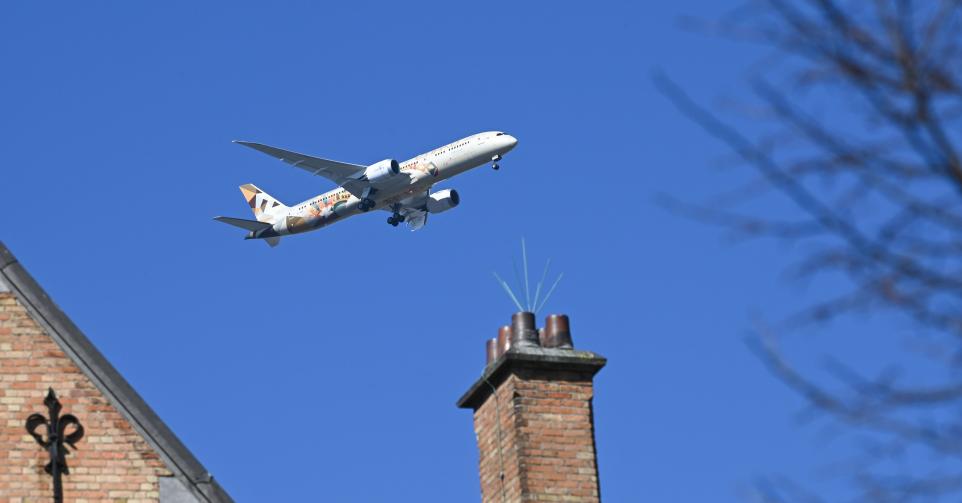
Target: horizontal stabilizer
{"points": [[251, 225]]}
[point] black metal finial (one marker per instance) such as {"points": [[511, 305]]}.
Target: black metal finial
{"points": [[56, 437]]}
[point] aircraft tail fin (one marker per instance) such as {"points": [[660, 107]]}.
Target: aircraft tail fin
{"points": [[264, 206]]}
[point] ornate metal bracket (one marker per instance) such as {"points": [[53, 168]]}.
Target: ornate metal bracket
{"points": [[56, 436]]}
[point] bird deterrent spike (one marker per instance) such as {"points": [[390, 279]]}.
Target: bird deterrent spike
{"points": [[537, 292], [527, 291], [517, 276], [550, 291], [508, 290], [523, 283]]}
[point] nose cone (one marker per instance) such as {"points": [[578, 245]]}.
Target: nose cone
{"points": [[511, 141]]}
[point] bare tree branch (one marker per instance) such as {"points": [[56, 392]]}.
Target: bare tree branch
{"points": [[875, 180]]}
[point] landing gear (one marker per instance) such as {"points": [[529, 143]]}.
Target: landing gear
{"points": [[494, 161], [397, 217], [367, 203]]}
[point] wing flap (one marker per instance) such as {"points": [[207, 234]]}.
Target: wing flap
{"points": [[416, 219]]}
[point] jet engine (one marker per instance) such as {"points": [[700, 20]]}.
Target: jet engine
{"points": [[443, 200], [381, 171]]}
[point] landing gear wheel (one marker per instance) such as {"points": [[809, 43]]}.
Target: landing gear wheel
{"points": [[495, 166], [366, 204], [393, 221]]}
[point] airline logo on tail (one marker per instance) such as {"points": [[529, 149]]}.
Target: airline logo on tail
{"points": [[261, 203]]}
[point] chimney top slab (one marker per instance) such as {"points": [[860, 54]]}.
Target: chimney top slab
{"points": [[517, 357]]}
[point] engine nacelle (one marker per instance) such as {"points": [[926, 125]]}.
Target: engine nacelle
{"points": [[380, 171], [443, 200]]}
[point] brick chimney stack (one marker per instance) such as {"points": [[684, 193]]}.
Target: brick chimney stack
{"points": [[533, 416]]}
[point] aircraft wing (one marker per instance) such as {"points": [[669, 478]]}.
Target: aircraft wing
{"points": [[342, 173]]}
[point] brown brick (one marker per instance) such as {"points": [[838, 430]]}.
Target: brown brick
{"points": [[112, 460], [546, 440]]}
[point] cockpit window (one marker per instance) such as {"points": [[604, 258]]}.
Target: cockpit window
{"points": [[499, 134]]}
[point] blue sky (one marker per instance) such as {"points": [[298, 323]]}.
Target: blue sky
{"points": [[330, 365]]}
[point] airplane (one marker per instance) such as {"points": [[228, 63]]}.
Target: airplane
{"points": [[402, 188]]}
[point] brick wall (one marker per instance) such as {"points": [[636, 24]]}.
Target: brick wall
{"points": [[547, 447], [112, 462]]}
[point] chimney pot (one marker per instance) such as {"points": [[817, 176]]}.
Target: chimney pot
{"points": [[504, 339], [557, 332], [491, 351], [523, 331]]}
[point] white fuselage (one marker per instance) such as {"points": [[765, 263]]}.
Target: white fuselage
{"points": [[408, 188]]}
